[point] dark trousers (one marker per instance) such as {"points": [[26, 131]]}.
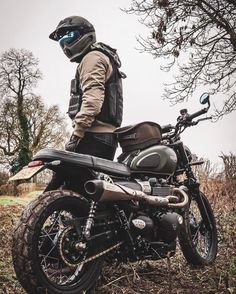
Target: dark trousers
{"points": [[99, 145]]}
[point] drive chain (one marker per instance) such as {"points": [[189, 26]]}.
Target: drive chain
{"points": [[91, 258]]}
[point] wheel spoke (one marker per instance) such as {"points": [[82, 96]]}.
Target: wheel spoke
{"points": [[195, 237], [51, 262], [200, 237]]}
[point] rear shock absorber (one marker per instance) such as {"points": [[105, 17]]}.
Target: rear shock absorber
{"points": [[90, 220]]}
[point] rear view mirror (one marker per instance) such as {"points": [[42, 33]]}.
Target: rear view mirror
{"points": [[205, 98]]}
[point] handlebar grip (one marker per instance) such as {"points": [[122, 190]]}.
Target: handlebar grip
{"points": [[166, 128], [196, 114]]}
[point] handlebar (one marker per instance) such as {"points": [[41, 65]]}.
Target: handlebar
{"points": [[196, 114], [171, 131], [185, 120]]}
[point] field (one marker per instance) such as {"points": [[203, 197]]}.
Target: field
{"points": [[167, 276]]}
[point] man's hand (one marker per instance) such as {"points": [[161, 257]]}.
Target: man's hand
{"points": [[72, 143]]}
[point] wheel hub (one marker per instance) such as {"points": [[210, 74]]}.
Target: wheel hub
{"points": [[72, 250]]}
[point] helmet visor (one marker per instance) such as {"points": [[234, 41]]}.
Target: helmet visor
{"points": [[69, 38]]}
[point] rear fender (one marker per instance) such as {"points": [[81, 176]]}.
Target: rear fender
{"points": [[27, 172]]}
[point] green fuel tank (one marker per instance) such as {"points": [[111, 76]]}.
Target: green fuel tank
{"points": [[157, 159]]}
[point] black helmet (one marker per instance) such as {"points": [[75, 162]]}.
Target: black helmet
{"points": [[75, 35]]}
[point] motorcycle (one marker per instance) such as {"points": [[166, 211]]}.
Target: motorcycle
{"points": [[126, 211]]}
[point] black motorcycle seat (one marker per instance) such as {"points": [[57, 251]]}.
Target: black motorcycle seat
{"points": [[83, 160]]}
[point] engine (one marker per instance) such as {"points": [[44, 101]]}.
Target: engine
{"points": [[163, 227], [148, 206], [155, 233]]}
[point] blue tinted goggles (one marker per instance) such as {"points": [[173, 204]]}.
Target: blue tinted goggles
{"points": [[69, 38]]}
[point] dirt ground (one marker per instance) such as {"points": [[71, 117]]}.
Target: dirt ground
{"points": [[166, 276]]}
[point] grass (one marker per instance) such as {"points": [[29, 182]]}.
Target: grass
{"points": [[23, 200]]}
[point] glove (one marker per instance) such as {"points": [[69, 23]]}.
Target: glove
{"points": [[72, 143]]}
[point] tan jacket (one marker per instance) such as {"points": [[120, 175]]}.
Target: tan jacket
{"points": [[94, 70]]}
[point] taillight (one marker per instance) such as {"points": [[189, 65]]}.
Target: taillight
{"points": [[35, 163]]}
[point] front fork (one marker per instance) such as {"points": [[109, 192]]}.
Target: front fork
{"points": [[194, 192]]}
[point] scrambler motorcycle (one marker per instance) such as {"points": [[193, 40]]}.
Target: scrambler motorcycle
{"points": [[105, 211]]}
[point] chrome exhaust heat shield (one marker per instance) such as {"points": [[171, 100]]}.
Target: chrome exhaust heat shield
{"points": [[103, 191]]}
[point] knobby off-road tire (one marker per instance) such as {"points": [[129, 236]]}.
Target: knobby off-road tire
{"points": [[198, 244], [25, 250]]}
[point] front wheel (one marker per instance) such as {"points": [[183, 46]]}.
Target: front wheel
{"points": [[44, 254], [198, 240]]}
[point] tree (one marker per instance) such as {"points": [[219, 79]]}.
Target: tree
{"points": [[198, 36], [3, 177], [26, 124], [229, 166]]}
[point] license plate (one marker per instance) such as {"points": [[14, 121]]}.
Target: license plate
{"points": [[27, 173]]}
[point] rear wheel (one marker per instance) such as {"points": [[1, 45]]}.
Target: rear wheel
{"points": [[197, 240], [47, 255]]}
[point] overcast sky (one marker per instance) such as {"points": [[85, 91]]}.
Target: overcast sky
{"points": [[27, 24]]}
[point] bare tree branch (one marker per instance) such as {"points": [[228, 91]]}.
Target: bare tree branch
{"points": [[199, 36]]}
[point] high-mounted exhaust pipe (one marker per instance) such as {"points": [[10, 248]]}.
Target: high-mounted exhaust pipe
{"points": [[102, 191]]}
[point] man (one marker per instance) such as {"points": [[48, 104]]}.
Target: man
{"points": [[96, 103]]}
